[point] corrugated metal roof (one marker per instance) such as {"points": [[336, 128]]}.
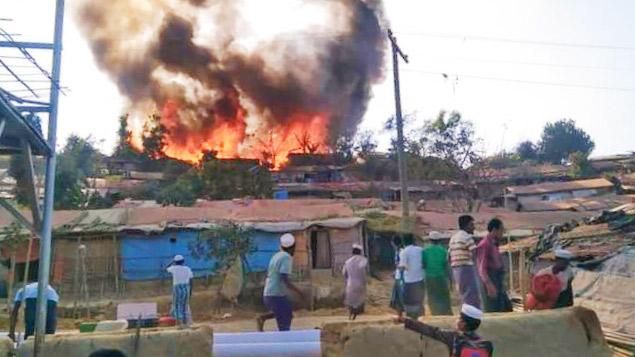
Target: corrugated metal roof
{"points": [[550, 187]]}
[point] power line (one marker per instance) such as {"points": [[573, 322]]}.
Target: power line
{"points": [[540, 64], [515, 80], [520, 41]]}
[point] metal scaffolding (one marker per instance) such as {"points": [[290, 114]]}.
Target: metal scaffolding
{"points": [[20, 133]]}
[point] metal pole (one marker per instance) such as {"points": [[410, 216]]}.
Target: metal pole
{"points": [[403, 180], [45, 243]]}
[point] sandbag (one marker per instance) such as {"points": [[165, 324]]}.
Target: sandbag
{"points": [[109, 326], [151, 343], [6, 347], [233, 283], [572, 332]]}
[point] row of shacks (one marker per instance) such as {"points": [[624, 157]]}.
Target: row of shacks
{"points": [[604, 250], [126, 251]]}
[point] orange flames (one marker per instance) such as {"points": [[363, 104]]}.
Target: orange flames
{"points": [[227, 138]]}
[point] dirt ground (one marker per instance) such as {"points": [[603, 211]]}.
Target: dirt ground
{"points": [[232, 319]]}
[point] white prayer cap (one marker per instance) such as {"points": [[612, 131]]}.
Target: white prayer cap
{"points": [[357, 246], [178, 258], [563, 254], [287, 240], [471, 311], [436, 235]]}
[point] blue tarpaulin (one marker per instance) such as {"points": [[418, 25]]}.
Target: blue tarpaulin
{"points": [[266, 245], [145, 257]]}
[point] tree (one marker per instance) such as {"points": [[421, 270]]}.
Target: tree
{"points": [[563, 138], [77, 160], [580, 165], [223, 244], [365, 144], [124, 150], [17, 170], [451, 138], [344, 148], [154, 136], [177, 194], [527, 150]]}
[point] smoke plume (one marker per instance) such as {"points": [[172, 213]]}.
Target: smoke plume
{"points": [[221, 83]]}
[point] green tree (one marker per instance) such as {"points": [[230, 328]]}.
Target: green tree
{"points": [[580, 165], [17, 170], [563, 138], [124, 150], [179, 193], [527, 150], [224, 244], [153, 140], [451, 138]]}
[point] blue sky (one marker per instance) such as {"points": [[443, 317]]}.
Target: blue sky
{"points": [[499, 56]]}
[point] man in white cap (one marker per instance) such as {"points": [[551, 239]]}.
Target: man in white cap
{"points": [[437, 275], [181, 290], [354, 272], [562, 270], [464, 341], [278, 284]]}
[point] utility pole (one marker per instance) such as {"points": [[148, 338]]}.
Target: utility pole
{"points": [[403, 179], [47, 219]]}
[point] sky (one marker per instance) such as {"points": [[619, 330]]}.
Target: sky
{"points": [[511, 66]]}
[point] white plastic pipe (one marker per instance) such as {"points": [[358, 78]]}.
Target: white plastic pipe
{"points": [[294, 349], [267, 337]]}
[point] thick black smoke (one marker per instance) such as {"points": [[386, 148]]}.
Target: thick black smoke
{"points": [[143, 43]]}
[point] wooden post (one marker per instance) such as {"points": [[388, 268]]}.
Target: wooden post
{"points": [[27, 262], [511, 264], [521, 273], [76, 291], [11, 281], [116, 262], [82, 257]]}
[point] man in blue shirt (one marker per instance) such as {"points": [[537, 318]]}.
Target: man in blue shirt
{"points": [[278, 284], [28, 295]]}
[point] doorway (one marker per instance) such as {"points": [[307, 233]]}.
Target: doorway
{"points": [[321, 249]]}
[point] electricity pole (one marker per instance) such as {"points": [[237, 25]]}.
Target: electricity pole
{"points": [[45, 241], [403, 180]]}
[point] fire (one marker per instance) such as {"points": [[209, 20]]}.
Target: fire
{"points": [[227, 137]]}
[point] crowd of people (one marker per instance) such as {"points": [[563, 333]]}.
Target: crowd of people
{"points": [[477, 271]]}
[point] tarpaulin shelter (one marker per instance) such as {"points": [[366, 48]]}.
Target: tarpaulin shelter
{"points": [[127, 249]]}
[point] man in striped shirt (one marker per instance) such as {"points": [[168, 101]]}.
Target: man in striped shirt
{"points": [[461, 253]]}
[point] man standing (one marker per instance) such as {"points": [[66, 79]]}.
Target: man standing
{"points": [[28, 295], [354, 272], [437, 276], [462, 262], [278, 284], [396, 299], [491, 270], [411, 266], [561, 270], [181, 290]]}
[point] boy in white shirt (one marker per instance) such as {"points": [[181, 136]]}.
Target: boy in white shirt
{"points": [[181, 290]]}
